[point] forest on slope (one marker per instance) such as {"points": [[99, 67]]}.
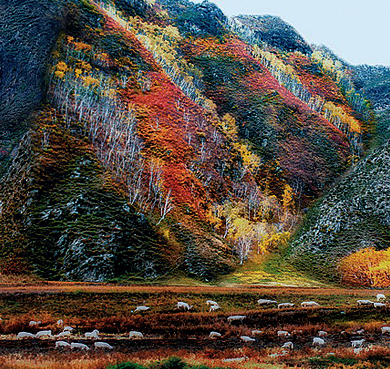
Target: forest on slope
{"points": [[160, 137]]}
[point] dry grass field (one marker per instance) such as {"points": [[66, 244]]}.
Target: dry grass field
{"points": [[169, 331]]}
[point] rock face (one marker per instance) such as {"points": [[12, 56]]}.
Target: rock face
{"points": [[374, 83], [354, 214], [204, 19], [29, 29], [270, 30]]}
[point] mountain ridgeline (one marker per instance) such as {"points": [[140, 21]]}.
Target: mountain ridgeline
{"points": [[147, 139]]}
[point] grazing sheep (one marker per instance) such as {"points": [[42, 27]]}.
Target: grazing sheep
{"points": [[256, 332], [379, 305], [32, 323], [60, 323], [385, 330], [43, 334], [135, 334], [236, 317], [283, 334], [63, 334], [285, 305], [92, 335], [62, 344], [214, 307], [215, 335], [357, 343], [358, 350], [183, 305], [235, 360], [22, 335], [380, 297], [68, 328], [211, 302], [309, 304], [247, 339], [322, 334], [81, 346], [141, 308], [364, 303], [360, 331], [318, 341], [265, 302], [288, 345], [104, 345]]}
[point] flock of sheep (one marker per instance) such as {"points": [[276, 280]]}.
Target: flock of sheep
{"points": [[213, 306]]}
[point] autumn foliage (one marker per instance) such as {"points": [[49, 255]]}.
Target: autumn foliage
{"points": [[367, 267]]}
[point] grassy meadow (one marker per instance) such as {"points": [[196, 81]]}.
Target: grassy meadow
{"points": [[170, 332]]}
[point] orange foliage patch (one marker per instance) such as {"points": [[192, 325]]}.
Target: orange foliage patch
{"points": [[367, 267]]}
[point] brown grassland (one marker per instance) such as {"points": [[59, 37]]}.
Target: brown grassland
{"points": [[170, 332]]}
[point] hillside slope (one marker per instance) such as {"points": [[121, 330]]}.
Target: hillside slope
{"points": [[167, 143], [354, 214]]}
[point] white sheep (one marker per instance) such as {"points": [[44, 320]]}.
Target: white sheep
{"points": [[235, 360], [288, 345], [63, 334], [358, 350], [322, 333], [265, 302], [357, 343], [380, 297], [135, 334], [211, 302], [364, 303], [236, 317], [247, 339], [215, 334], [141, 308], [360, 331], [256, 332], [183, 305], [104, 345], [92, 335], [285, 305], [309, 304], [22, 335], [60, 322], [283, 334], [385, 330], [379, 304], [214, 307], [68, 328], [43, 334], [32, 323], [318, 341], [62, 344], [76, 345]]}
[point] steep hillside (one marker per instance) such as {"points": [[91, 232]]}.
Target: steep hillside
{"points": [[341, 233], [24, 53], [354, 214], [167, 143]]}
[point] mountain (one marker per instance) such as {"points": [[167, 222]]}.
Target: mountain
{"points": [[354, 214], [160, 137]]}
